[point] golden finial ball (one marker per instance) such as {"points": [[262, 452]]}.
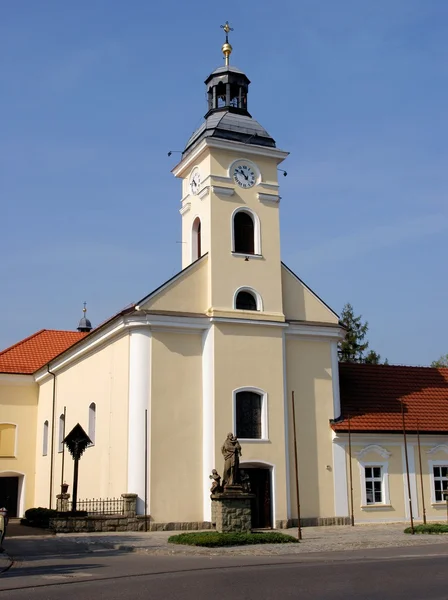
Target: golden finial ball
{"points": [[227, 49]]}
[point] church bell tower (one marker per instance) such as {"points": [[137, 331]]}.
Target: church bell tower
{"points": [[230, 201]]}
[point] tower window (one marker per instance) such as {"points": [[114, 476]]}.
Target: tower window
{"points": [[245, 301], [196, 242], [243, 232]]}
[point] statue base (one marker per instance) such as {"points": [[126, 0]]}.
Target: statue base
{"points": [[231, 510]]}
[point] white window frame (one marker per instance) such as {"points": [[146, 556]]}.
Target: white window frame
{"points": [[45, 439], [255, 294], [92, 422], [264, 414], [194, 240], [257, 232], [61, 432], [384, 483], [432, 464]]}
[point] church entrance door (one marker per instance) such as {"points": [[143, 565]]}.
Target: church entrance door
{"points": [[9, 493], [260, 485]]}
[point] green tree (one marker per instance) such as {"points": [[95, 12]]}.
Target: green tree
{"points": [[440, 362], [353, 348]]}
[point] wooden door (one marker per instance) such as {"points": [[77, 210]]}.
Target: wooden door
{"points": [[260, 485]]}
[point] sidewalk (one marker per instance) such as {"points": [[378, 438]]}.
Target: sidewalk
{"points": [[315, 539]]}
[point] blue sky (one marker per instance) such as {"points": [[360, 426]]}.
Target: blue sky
{"points": [[96, 92]]}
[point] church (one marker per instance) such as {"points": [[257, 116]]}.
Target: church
{"points": [[235, 342]]}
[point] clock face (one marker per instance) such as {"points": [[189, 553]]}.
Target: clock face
{"points": [[195, 182], [244, 175]]}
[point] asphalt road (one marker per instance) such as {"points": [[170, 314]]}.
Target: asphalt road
{"points": [[49, 571]]}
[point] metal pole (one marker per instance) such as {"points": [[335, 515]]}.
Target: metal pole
{"points": [[63, 451], [146, 469], [407, 469], [75, 484], [421, 473], [299, 528], [352, 514]]}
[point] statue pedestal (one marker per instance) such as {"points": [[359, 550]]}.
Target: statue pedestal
{"points": [[231, 510]]}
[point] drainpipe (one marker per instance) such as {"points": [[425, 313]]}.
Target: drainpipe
{"points": [[52, 435]]}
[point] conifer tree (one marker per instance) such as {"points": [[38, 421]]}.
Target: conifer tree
{"points": [[352, 348]]}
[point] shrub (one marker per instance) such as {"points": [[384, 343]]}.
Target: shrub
{"points": [[39, 517], [429, 528], [213, 539]]}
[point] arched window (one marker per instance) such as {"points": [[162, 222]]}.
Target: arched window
{"points": [[243, 233], [196, 244], [245, 300], [7, 440], [92, 421], [45, 439], [250, 415], [61, 432]]}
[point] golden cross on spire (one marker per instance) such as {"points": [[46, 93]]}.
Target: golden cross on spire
{"points": [[227, 48]]}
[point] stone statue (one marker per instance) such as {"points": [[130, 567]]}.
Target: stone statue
{"points": [[216, 485], [231, 450], [245, 481]]}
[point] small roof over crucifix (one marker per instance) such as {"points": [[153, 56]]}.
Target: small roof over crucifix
{"points": [[77, 441]]}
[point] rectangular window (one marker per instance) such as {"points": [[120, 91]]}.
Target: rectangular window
{"points": [[7, 440], [374, 485], [440, 473], [249, 415]]}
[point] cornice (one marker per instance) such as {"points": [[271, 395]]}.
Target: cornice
{"points": [[332, 332], [16, 379], [274, 198], [239, 147], [223, 191]]}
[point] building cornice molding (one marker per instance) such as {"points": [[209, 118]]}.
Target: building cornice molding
{"points": [[185, 208], [273, 198], [373, 448], [438, 448], [16, 379], [330, 332], [237, 321], [223, 191], [220, 144]]}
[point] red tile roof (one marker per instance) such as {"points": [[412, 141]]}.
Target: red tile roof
{"points": [[372, 394], [35, 351]]}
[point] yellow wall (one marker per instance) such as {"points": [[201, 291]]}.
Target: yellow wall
{"points": [[101, 377], [252, 356], [176, 427], [300, 304], [396, 469], [228, 272], [434, 510], [18, 405], [309, 375]]}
